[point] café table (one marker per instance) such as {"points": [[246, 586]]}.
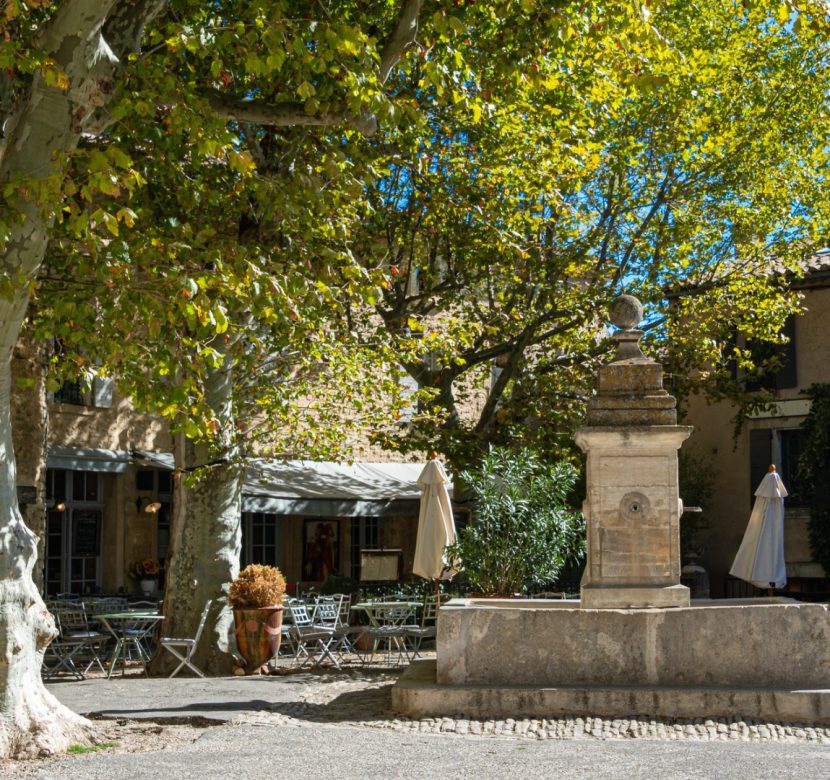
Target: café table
{"points": [[129, 628], [387, 623]]}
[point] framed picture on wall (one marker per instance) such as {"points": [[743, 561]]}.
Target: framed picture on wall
{"points": [[321, 549]]}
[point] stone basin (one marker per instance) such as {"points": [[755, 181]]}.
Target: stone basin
{"points": [[761, 658], [737, 643]]}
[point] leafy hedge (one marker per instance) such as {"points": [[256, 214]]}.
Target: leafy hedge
{"points": [[814, 470]]}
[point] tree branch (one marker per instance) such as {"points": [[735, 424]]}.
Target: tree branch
{"points": [[400, 39], [294, 114], [283, 114], [263, 113]]}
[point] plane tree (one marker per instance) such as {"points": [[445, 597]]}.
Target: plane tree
{"points": [[627, 166], [237, 296], [74, 71]]}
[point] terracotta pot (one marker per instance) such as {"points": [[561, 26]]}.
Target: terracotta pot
{"points": [[258, 635]]}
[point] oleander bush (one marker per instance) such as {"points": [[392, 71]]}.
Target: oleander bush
{"points": [[524, 530]]}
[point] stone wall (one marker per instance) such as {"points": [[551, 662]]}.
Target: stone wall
{"points": [[713, 438]]}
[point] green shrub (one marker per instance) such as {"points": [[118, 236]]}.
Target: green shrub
{"points": [[523, 531], [339, 583], [696, 474]]}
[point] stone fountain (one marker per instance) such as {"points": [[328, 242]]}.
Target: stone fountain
{"points": [[633, 644]]}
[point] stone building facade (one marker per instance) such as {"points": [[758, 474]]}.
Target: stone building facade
{"points": [[102, 498], [773, 437]]}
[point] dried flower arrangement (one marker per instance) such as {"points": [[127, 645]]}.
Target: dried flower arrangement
{"points": [[149, 567], [257, 586]]}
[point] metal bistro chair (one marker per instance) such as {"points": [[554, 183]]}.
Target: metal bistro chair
{"points": [[174, 644], [101, 604], [328, 613], [75, 642], [313, 643], [390, 626], [427, 628]]}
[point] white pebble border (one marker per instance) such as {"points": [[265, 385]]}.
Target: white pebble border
{"points": [[374, 711]]}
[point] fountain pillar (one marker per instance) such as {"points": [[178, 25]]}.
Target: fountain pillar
{"points": [[632, 505]]}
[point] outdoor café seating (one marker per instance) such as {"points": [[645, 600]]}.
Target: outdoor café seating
{"points": [[312, 642], [77, 647], [174, 645], [388, 626], [132, 630]]}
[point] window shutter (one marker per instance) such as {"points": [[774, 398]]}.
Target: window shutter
{"points": [[102, 392], [760, 457], [787, 375], [409, 386]]}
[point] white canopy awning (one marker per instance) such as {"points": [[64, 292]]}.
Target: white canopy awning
{"points": [[297, 487], [330, 489], [87, 459]]}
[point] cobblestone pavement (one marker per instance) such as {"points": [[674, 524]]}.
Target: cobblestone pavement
{"points": [[325, 723], [358, 699]]}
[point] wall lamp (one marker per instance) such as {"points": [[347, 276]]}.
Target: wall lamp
{"points": [[142, 503], [60, 506]]}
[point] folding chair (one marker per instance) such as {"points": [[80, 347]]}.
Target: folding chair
{"points": [[60, 657], [390, 624], [74, 641], [311, 641], [329, 613], [427, 628], [189, 645]]}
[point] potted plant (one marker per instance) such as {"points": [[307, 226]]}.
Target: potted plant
{"points": [[146, 572], [256, 599], [524, 530]]}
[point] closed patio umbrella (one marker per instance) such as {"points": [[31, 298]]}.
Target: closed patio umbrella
{"points": [[436, 527], [760, 558]]}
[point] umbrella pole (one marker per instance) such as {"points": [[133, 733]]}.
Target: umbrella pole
{"points": [[437, 593]]}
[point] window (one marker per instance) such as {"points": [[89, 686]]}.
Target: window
{"points": [[145, 479], [165, 479], [791, 443], [163, 531], [365, 534], [71, 393], [78, 394], [782, 355], [781, 447], [85, 485], [74, 529], [261, 542]]}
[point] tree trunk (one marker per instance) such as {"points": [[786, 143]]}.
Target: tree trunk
{"points": [[32, 721], [206, 538], [46, 123], [30, 423]]}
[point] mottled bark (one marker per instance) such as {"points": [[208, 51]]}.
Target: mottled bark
{"points": [[43, 126], [32, 721], [30, 426], [206, 538]]}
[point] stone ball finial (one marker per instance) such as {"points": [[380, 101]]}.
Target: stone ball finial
{"points": [[625, 312]]}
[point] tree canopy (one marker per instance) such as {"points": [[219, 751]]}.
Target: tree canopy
{"points": [[688, 153], [238, 194]]}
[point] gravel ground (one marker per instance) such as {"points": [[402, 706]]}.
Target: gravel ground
{"points": [[357, 701]]}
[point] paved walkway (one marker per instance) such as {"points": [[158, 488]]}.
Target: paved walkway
{"points": [[329, 724]]}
